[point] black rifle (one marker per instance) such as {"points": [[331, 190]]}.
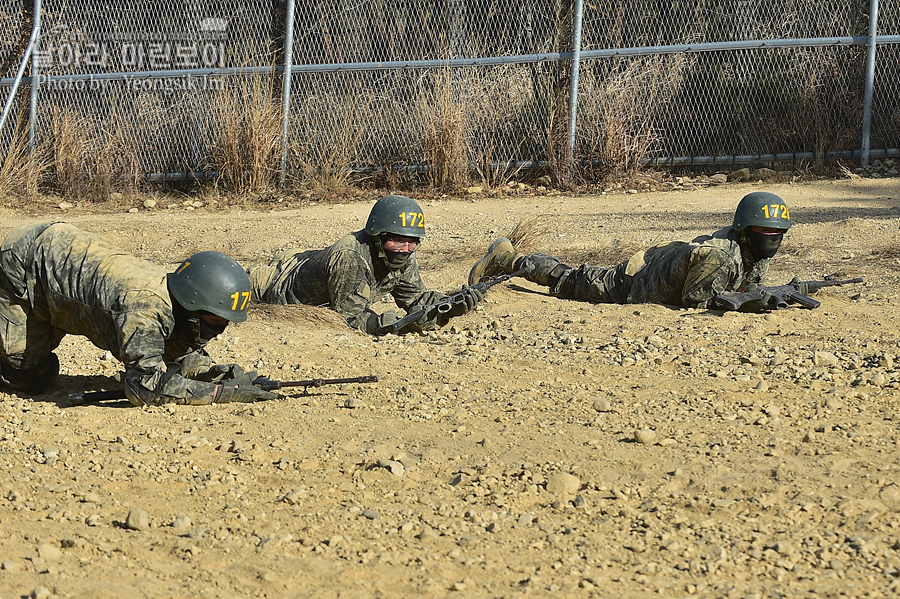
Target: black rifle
{"points": [[778, 298], [262, 382], [446, 303]]}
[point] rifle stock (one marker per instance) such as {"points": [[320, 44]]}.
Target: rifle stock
{"points": [[445, 304]]}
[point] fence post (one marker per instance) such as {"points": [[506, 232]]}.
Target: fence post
{"points": [[870, 84], [573, 87], [35, 76], [286, 89]]}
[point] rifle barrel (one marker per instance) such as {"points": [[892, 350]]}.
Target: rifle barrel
{"points": [[320, 382]]}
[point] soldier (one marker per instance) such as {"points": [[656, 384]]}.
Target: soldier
{"points": [[56, 279], [677, 273], [359, 270]]}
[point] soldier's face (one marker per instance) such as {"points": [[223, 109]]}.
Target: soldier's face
{"points": [[216, 321], [401, 243]]}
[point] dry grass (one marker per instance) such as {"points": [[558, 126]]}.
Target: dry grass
{"points": [[326, 155], [444, 135], [245, 150], [527, 234], [20, 171], [616, 111]]}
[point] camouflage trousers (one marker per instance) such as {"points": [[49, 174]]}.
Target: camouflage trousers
{"points": [[27, 339], [585, 283]]}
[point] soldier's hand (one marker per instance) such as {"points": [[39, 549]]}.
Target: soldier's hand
{"points": [[194, 365], [471, 296], [376, 321], [228, 393]]}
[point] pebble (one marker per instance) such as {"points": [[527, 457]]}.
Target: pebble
{"points": [[137, 520], [762, 386], [49, 553], [370, 514], [645, 436], [294, 496], [41, 593], [563, 483], [181, 522], [11, 565], [601, 404], [395, 467], [427, 534], [353, 403]]}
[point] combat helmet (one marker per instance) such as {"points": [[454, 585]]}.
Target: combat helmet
{"points": [[212, 282], [762, 209], [396, 214]]}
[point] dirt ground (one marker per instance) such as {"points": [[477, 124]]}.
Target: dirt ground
{"points": [[536, 447]]}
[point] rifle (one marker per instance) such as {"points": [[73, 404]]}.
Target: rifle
{"points": [[264, 383], [778, 298], [446, 303]]}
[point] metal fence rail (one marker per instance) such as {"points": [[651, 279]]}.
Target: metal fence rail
{"points": [[158, 89]]}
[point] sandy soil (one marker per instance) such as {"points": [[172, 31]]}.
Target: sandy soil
{"points": [[534, 448]]}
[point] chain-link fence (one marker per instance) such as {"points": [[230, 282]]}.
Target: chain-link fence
{"points": [[462, 88]]}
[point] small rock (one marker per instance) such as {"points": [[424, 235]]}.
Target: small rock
{"points": [[739, 175], [66, 205], [181, 522], [645, 436], [11, 565], [149, 204], [294, 496], [137, 520], [601, 404], [824, 358], [427, 534], [762, 386], [719, 178], [353, 403], [563, 483], [474, 190], [370, 514], [50, 553], [41, 593], [395, 467], [132, 210], [93, 520]]}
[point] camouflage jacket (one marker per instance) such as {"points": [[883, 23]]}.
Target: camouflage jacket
{"points": [[347, 276], [78, 284], [687, 274]]}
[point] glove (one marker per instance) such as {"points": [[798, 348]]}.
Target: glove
{"points": [[228, 393], [194, 365], [802, 288], [471, 296], [376, 321]]}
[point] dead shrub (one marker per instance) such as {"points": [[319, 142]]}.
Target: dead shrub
{"points": [[444, 134], [21, 171], [617, 108], [328, 151], [245, 148]]}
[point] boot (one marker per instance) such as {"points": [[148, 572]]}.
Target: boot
{"points": [[500, 259]]}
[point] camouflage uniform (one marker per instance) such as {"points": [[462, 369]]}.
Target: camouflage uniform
{"points": [[677, 273], [348, 276], [56, 280]]}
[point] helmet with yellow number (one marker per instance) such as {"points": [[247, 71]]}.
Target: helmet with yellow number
{"points": [[396, 214], [214, 283], [762, 209]]}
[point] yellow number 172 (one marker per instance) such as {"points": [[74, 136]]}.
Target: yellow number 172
{"points": [[240, 296], [415, 219], [776, 208]]}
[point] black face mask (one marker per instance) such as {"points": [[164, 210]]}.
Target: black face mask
{"points": [[396, 260], [191, 331], [763, 245], [208, 331]]}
